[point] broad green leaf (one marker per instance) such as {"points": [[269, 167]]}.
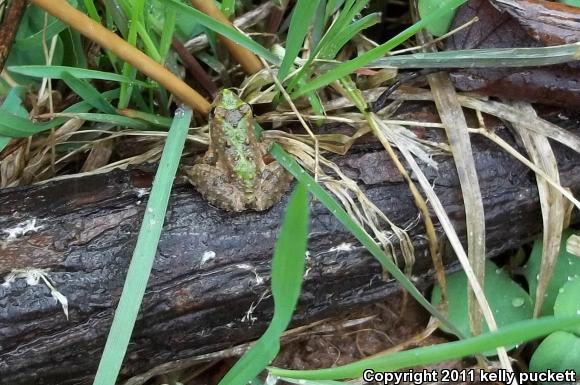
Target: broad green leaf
{"points": [[33, 29], [508, 301], [568, 301], [287, 272], [567, 268], [441, 25], [144, 254], [560, 351]]}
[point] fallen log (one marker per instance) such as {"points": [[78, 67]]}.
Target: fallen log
{"points": [[209, 286]]}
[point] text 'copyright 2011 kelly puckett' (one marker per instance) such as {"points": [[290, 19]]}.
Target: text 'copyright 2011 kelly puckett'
{"points": [[467, 375]]}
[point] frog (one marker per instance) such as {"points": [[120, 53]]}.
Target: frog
{"points": [[233, 174]]}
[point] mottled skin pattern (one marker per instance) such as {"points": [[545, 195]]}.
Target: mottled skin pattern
{"points": [[232, 174]]}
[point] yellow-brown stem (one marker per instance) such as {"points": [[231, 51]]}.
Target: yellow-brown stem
{"points": [[108, 40], [249, 62]]}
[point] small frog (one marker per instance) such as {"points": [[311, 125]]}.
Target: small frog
{"points": [[232, 174]]}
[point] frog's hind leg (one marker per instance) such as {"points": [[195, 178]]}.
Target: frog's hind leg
{"points": [[275, 181], [214, 186]]}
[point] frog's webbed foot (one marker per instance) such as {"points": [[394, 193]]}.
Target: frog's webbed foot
{"points": [[216, 188], [274, 182]]}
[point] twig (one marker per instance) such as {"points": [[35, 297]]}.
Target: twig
{"points": [[249, 62], [243, 22], [108, 40], [194, 68]]}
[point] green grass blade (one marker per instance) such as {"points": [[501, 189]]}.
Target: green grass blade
{"points": [[92, 10], [167, 33], [347, 14], [15, 126], [72, 41], [350, 8], [482, 58], [117, 120], [312, 382], [88, 93], [513, 334], [299, 25], [144, 254], [4, 140], [128, 70], [332, 48], [287, 272], [55, 72], [148, 43], [19, 127], [153, 119], [336, 209], [228, 7], [225, 31], [13, 103], [351, 66], [318, 24], [331, 7]]}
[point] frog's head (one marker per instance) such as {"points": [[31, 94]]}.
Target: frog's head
{"points": [[229, 108]]}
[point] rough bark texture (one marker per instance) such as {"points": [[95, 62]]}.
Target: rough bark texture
{"points": [[210, 264]]}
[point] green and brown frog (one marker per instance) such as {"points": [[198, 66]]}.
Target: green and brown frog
{"points": [[233, 175]]}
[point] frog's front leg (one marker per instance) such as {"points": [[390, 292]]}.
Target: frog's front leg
{"points": [[216, 187], [274, 182]]}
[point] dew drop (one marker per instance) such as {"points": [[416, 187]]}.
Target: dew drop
{"points": [[517, 302]]}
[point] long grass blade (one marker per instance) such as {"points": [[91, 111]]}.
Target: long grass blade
{"points": [[513, 334], [12, 103], [225, 31], [88, 93], [144, 254], [299, 25], [287, 273], [482, 58], [56, 72], [336, 209]]}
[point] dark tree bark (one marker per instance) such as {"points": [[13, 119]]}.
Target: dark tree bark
{"points": [[205, 276]]}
